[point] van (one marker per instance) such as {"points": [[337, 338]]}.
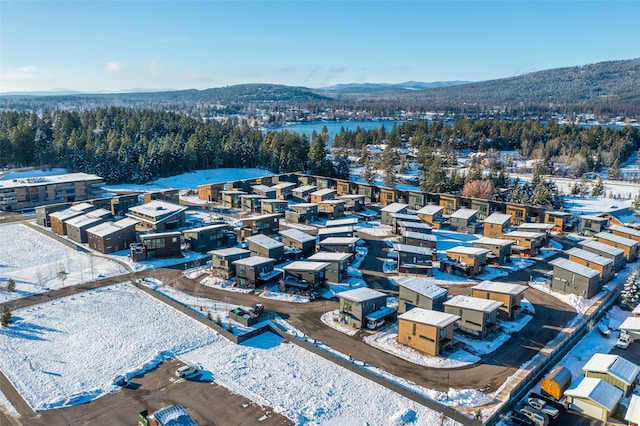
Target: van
{"points": [[186, 370], [373, 324], [537, 417]]}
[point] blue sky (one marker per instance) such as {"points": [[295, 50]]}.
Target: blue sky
{"points": [[98, 45]]}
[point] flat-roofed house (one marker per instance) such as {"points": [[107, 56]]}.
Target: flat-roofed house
{"points": [[600, 263], [632, 415], [299, 240], [449, 203], [77, 226], [267, 224], [323, 195], [331, 208], [369, 191], [302, 213], [344, 187], [389, 195], [473, 257], [210, 191], [255, 271], [416, 199], [222, 261], [496, 225], [520, 213], [594, 398], [561, 221], [58, 219], [304, 275], [418, 239], [605, 250], [264, 190], [284, 190], [544, 228], [427, 331], [339, 244], [302, 194], [508, 293], [589, 225], [270, 205], [167, 195], [261, 245], [158, 216], [353, 202], [614, 370], [338, 268], [334, 223], [629, 246], [156, 246], [500, 250], [231, 198], [626, 232], [109, 237], [323, 182], [574, 278], [209, 237], [477, 316], [483, 207], [419, 292], [414, 259], [361, 305], [526, 244], [421, 227], [464, 220], [432, 215], [120, 204], [250, 203], [387, 211], [43, 212], [337, 231]]}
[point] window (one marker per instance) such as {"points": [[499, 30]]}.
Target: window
{"points": [[428, 339], [414, 329], [346, 307]]}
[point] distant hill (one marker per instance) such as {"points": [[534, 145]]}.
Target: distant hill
{"points": [[376, 87]]}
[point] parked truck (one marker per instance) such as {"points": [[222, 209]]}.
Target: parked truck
{"points": [[556, 382]]}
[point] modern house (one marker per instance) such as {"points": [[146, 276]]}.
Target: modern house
{"points": [[542, 228], [574, 278], [208, 237], [284, 190], [339, 244], [521, 213], [267, 224], [334, 223], [427, 331], [300, 241], [594, 398], [323, 195], [231, 198], [510, 295], [331, 208], [414, 259], [500, 250], [250, 203], [109, 237], [369, 191], [613, 369], [526, 244], [416, 199], [338, 268], [353, 202], [449, 203], [261, 245], [421, 227], [271, 205], [222, 261], [561, 221], [474, 258], [496, 225], [432, 215], [363, 307], [77, 226], [626, 232], [302, 194], [419, 292], [338, 231], [600, 263], [589, 225], [629, 246], [211, 192], [264, 190], [477, 316], [156, 246], [302, 213], [605, 250], [120, 204], [158, 216], [464, 220], [43, 212], [388, 196], [59, 219], [255, 271], [386, 212], [418, 239], [304, 275], [167, 195]]}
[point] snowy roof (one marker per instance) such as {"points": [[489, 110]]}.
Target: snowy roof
{"points": [[207, 228], [633, 412], [329, 256], [107, 228], [430, 209], [260, 217], [334, 201], [283, 185], [263, 188], [593, 217], [616, 239], [302, 205], [273, 200], [537, 226], [252, 196], [253, 261], [406, 248], [335, 230], [524, 234], [597, 390], [625, 230], [395, 208], [323, 192], [361, 294], [300, 265], [72, 211], [173, 415], [464, 213], [614, 365], [156, 209], [492, 241], [574, 267], [636, 311], [380, 313], [415, 225], [160, 235], [429, 317], [631, 324], [473, 303], [88, 218], [474, 251], [420, 236], [589, 256], [297, 235], [304, 188], [341, 222], [47, 180], [233, 192], [339, 240], [264, 241], [597, 245], [558, 213], [498, 218], [500, 287], [351, 196], [422, 286], [228, 252], [406, 217]]}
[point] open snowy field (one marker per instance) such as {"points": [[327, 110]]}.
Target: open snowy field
{"points": [[35, 262]]}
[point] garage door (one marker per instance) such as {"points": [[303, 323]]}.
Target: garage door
{"points": [[589, 409]]}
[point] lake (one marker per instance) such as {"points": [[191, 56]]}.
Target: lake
{"points": [[334, 126]]}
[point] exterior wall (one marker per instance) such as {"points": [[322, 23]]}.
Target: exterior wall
{"points": [[610, 379], [421, 337], [412, 258], [355, 312], [247, 276], [477, 263], [473, 322], [416, 200], [518, 213], [267, 226], [338, 248], [343, 188], [449, 203], [223, 266], [313, 277], [630, 252], [387, 196], [210, 192], [583, 406], [276, 253], [482, 207], [633, 237], [163, 246], [335, 271], [273, 207], [308, 247], [119, 240], [618, 261], [568, 282], [122, 203], [205, 240], [511, 304], [43, 212], [418, 242], [589, 227], [79, 234], [503, 253], [409, 299], [169, 195], [606, 271], [493, 230]]}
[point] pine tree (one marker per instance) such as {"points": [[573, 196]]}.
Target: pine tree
{"points": [[598, 188], [614, 170], [630, 294], [5, 317], [11, 284], [387, 164]]}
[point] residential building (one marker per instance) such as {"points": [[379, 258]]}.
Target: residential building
{"points": [[464, 220], [416, 199], [264, 191], [589, 225], [156, 246], [344, 187], [158, 216], [425, 330], [302, 194], [629, 246], [626, 232], [561, 221], [474, 258], [613, 369], [77, 226], [261, 245], [509, 294], [353, 202], [542, 228], [500, 250], [166, 195], [284, 190], [482, 206], [388, 196], [338, 268], [421, 227], [594, 398], [231, 198], [334, 223], [449, 203], [302, 213], [600, 263], [387, 211], [304, 275], [419, 239], [120, 204], [339, 244], [323, 195], [250, 203], [526, 244], [632, 416], [222, 261], [432, 215], [255, 271], [496, 225], [605, 250], [414, 259], [211, 192], [43, 212], [109, 237], [574, 278], [337, 231], [477, 316], [267, 224], [331, 208], [300, 241], [208, 237], [268, 205], [363, 307], [419, 292], [59, 219]]}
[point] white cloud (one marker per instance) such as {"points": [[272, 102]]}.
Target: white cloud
{"points": [[114, 66], [25, 73]]}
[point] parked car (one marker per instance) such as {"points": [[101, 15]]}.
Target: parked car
{"points": [[186, 370], [373, 324], [537, 417], [603, 330], [541, 405], [623, 341]]}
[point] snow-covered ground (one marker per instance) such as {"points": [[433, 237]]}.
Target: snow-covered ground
{"points": [[38, 263]]}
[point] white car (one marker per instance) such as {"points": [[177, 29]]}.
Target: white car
{"points": [[623, 341], [541, 405], [186, 370]]}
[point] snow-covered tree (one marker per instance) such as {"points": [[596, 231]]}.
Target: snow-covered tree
{"points": [[630, 294]]}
